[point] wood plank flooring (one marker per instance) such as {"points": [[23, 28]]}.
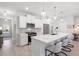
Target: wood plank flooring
{"points": [[10, 49]]}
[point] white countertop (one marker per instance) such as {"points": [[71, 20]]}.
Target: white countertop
{"points": [[50, 38]]}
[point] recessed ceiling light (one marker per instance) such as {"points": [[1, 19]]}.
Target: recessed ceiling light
{"points": [[55, 17], [61, 19], [27, 8], [5, 13]]}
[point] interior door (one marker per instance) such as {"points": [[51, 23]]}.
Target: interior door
{"points": [[46, 29]]}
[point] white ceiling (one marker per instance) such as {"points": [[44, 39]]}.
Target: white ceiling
{"points": [[68, 8]]}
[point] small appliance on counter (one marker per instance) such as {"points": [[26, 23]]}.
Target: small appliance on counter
{"points": [[30, 34], [54, 31]]}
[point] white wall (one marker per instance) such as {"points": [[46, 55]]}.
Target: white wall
{"points": [[63, 26], [76, 20], [76, 23], [67, 24]]}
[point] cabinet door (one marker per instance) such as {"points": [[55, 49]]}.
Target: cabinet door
{"points": [[23, 39], [38, 24], [22, 22]]}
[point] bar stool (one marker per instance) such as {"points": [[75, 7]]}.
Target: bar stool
{"points": [[65, 45], [55, 50], [70, 41]]}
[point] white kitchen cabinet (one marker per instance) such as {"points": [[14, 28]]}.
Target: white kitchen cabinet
{"points": [[30, 19], [22, 22], [23, 39], [38, 24]]}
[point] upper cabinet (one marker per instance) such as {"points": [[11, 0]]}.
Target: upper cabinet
{"points": [[22, 22], [38, 23], [29, 19]]}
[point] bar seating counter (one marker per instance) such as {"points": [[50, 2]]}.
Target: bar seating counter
{"points": [[40, 42]]}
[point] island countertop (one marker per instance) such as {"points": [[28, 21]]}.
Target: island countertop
{"points": [[47, 38]]}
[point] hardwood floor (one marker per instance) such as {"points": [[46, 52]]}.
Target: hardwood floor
{"points": [[10, 49], [75, 50]]}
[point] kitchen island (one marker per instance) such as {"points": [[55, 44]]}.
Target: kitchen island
{"points": [[40, 42]]}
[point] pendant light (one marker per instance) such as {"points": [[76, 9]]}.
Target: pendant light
{"points": [[43, 13], [27, 8], [55, 16], [61, 19]]}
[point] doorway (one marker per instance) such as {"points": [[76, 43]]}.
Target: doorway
{"points": [[7, 29]]}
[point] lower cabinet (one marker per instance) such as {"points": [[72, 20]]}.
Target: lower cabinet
{"points": [[23, 39]]}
